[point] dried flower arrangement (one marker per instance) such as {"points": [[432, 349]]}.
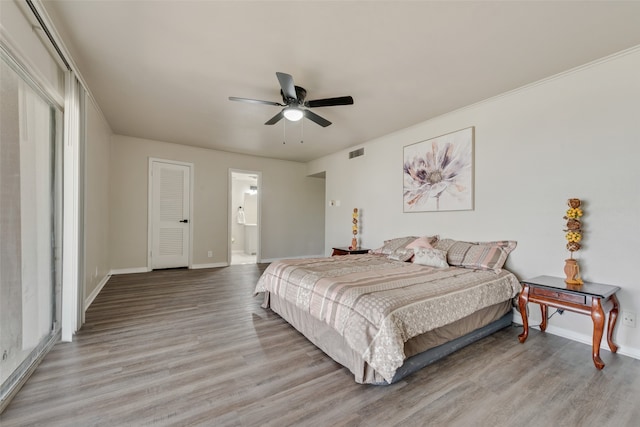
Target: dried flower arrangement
{"points": [[354, 229], [574, 225], [573, 235]]}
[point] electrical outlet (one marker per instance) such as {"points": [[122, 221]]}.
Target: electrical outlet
{"points": [[629, 319], [210, 254]]}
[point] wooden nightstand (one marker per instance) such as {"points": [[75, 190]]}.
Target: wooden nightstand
{"points": [[347, 251], [592, 299]]}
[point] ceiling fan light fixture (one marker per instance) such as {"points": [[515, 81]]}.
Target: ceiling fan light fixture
{"points": [[293, 114], [294, 100]]}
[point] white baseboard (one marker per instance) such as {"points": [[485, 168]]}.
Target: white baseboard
{"points": [[146, 270], [88, 300], [585, 339], [130, 270], [212, 265], [268, 260]]}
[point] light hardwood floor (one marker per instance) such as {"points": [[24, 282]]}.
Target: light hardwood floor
{"points": [[183, 348]]}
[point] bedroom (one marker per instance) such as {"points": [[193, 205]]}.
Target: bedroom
{"points": [[575, 135]]}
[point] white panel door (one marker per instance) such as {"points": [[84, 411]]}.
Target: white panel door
{"points": [[170, 215]]}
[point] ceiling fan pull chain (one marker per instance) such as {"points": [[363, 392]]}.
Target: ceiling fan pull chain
{"points": [[302, 132], [284, 131]]}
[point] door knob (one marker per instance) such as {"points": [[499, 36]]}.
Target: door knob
{"points": [[184, 220]]}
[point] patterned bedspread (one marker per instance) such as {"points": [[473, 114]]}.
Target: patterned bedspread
{"points": [[377, 304]]}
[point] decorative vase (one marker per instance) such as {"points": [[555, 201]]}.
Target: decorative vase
{"points": [[572, 271], [354, 243]]}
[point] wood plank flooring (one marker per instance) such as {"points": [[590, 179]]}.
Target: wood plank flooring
{"points": [[194, 347]]}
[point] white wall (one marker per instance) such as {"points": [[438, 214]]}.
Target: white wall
{"points": [[250, 206], [575, 135], [292, 216], [240, 196], [96, 212], [237, 199]]}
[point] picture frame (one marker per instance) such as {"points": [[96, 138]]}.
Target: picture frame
{"points": [[438, 173]]}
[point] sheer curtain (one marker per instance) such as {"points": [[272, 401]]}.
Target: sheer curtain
{"points": [[30, 198]]}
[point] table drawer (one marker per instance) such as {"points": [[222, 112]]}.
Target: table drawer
{"points": [[578, 299]]}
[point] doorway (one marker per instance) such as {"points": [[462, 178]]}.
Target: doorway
{"points": [[244, 217], [169, 214]]}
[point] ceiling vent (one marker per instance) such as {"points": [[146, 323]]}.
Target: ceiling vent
{"points": [[356, 153]]}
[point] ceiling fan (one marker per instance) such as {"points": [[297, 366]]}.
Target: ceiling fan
{"points": [[295, 104]]}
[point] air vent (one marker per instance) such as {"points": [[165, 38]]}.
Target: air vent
{"points": [[356, 153]]}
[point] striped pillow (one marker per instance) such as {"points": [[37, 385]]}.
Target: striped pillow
{"points": [[507, 245], [390, 246], [401, 254], [482, 256]]}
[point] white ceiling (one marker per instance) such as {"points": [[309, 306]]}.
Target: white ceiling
{"points": [[164, 70]]}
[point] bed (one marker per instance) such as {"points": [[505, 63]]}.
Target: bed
{"points": [[384, 317]]}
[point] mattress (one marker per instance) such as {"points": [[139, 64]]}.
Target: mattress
{"points": [[441, 341], [371, 314]]}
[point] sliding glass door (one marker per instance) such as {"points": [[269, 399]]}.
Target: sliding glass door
{"points": [[30, 222]]}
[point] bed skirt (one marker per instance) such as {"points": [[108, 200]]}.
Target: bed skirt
{"points": [[420, 351]]}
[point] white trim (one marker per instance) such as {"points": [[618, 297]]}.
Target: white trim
{"points": [[526, 87], [149, 216], [37, 4], [582, 338], [33, 74], [96, 291], [191, 167], [129, 270], [71, 139], [212, 265]]}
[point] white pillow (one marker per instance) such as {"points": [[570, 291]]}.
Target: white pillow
{"points": [[430, 257]]}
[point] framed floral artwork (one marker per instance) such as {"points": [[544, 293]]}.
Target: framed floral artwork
{"points": [[438, 173]]}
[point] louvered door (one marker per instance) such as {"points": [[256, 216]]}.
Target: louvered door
{"points": [[170, 215]]}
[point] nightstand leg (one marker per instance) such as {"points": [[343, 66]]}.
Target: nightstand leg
{"points": [[543, 311], [523, 299], [613, 318], [597, 314]]}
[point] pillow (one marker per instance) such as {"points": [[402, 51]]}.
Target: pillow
{"points": [[478, 255], [444, 244], [391, 245], [430, 257], [423, 242], [507, 245], [401, 254]]}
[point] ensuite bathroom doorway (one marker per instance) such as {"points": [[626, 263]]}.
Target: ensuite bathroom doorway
{"points": [[244, 224]]}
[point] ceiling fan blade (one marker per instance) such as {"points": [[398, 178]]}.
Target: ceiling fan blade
{"points": [[316, 118], [255, 101], [275, 119], [328, 102], [286, 83]]}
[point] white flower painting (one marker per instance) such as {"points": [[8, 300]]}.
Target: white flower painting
{"points": [[438, 173]]}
